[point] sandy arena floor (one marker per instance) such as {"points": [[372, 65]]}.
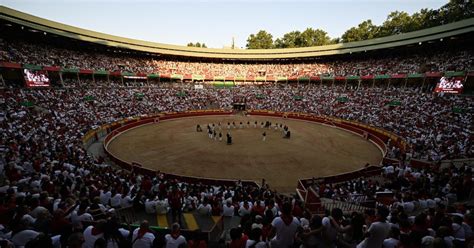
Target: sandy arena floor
{"points": [[174, 146]]}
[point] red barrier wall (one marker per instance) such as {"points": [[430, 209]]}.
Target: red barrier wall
{"points": [[311, 198], [378, 138]]}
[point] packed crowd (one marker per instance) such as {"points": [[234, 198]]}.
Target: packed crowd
{"points": [[427, 122], [53, 190], [48, 55]]}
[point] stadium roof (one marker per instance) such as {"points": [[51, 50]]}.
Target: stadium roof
{"points": [[44, 25]]}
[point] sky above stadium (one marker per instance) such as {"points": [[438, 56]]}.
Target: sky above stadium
{"points": [[215, 22]]}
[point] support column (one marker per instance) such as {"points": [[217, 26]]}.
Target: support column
{"points": [[61, 78], [423, 84], [2, 80]]}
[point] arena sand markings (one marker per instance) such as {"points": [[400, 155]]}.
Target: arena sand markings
{"points": [[316, 150]]}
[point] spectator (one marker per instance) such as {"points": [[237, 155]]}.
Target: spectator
{"points": [[175, 239], [93, 233], [378, 230], [284, 227], [143, 237]]}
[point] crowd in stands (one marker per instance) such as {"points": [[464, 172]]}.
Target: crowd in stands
{"points": [[55, 193], [48, 55]]}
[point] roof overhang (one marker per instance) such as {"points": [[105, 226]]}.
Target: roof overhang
{"points": [[44, 25]]}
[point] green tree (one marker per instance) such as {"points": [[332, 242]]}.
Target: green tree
{"points": [[261, 40], [426, 18], [335, 40], [314, 37], [289, 40], [397, 22], [365, 30], [456, 10]]}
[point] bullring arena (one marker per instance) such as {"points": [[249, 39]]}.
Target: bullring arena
{"points": [[109, 141], [174, 146]]}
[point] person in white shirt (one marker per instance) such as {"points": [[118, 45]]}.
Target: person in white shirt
{"points": [[39, 209], [115, 200], [204, 208], [272, 206], [228, 209], [143, 237], [393, 240], [408, 206], [105, 196], [150, 205], [458, 229], [175, 239], [126, 201], [378, 230], [254, 239], [79, 214], [284, 228], [93, 233], [162, 206], [389, 170], [330, 225], [431, 203], [114, 236], [21, 238], [244, 209]]}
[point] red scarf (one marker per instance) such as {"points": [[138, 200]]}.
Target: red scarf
{"points": [[175, 235], [141, 232], [287, 219], [95, 231]]}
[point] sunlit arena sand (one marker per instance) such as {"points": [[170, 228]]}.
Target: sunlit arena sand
{"points": [[317, 150]]}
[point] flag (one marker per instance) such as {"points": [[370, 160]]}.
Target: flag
{"points": [[27, 104], [458, 110], [89, 98], [181, 94], [139, 96], [342, 99], [394, 103], [298, 97]]}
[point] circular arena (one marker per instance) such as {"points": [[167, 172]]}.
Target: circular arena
{"points": [[174, 146]]}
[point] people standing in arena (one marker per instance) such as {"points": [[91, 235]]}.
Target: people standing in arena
{"points": [[209, 133]]}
